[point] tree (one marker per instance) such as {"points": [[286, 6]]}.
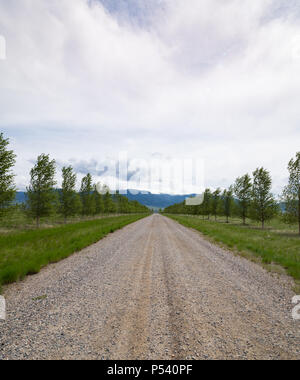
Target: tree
{"points": [[98, 201], [263, 205], [215, 202], [86, 192], [243, 192], [227, 198], [206, 205], [7, 161], [109, 205], [291, 194], [69, 199], [41, 197], [119, 203], [123, 204]]}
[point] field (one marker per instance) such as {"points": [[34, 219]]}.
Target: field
{"points": [[277, 245], [26, 252], [16, 220]]}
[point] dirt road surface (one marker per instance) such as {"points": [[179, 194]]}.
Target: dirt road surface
{"points": [[153, 290]]}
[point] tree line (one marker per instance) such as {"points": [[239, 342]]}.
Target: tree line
{"points": [[44, 199], [250, 197]]}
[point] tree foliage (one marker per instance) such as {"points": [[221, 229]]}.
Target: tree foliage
{"points": [[41, 197], [243, 193], [207, 203], [215, 202], [98, 202], [227, 203], [263, 205], [7, 161], [291, 194], [70, 203], [87, 198], [109, 205]]}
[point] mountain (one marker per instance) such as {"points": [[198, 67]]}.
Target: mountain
{"points": [[20, 197], [155, 201]]}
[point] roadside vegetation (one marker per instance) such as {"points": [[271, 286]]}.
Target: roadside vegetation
{"points": [[251, 198], [16, 220], [53, 222], [277, 244], [47, 205], [26, 252], [247, 218]]}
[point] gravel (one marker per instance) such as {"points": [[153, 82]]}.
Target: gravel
{"points": [[153, 290]]}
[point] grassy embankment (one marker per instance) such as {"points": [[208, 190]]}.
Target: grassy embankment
{"points": [[26, 252], [276, 247]]}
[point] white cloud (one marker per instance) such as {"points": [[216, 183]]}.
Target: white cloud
{"points": [[215, 79]]}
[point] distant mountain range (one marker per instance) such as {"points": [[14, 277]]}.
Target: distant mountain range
{"points": [[154, 201], [157, 201]]}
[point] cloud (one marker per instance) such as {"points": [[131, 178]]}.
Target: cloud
{"points": [[139, 13], [212, 79]]}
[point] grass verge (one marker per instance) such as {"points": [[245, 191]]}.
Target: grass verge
{"points": [[15, 220], [272, 247], [26, 252]]}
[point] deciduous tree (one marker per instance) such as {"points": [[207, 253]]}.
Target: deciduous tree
{"points": [[7, 161], [98, 201], [41, 197], [291, 194], [206, 205], [263, 205], [215, 202], [227, 199], [69, 200], [109, 205], [86, 193], [243, 192]]}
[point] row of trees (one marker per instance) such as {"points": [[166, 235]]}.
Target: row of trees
{"points": [[43, 199], [250, 198]]}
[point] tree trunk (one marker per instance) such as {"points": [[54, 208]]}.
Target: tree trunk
{"points": [[263, 224], [227, 219], [37, 222]]}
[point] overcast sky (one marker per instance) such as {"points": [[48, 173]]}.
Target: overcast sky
{"points": [[217, 80]]}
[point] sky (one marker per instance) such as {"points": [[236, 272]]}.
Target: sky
{"points": [[87, 81]]}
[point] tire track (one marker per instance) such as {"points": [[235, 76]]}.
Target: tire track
{"points": [[153, 290]]}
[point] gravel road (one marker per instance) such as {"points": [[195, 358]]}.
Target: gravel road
{"points": [[153, 290]]}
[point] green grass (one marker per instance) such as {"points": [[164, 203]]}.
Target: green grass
{"points": [[278, 244], [17, 220], [26, 252]]}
